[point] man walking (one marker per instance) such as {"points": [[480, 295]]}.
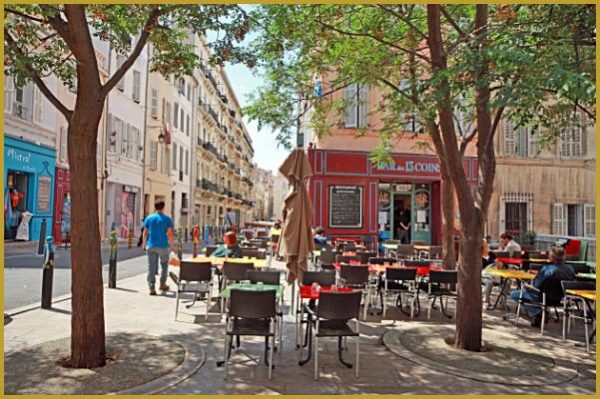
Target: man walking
{"points": [[158, 238]]}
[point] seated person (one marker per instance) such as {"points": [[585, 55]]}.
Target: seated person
{"points": [[547, 280], [488, 260], [276, 229], [320, 237], [507, 243], [231, 247]]}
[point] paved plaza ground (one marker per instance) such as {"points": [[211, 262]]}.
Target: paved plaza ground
{"points": [[398, 355]]}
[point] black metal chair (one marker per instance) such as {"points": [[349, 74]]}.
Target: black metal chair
{"points": [[405, 251], [234, 272], [370, 242], [439, 286], [210, 249], [382, 261], [571, 309], [332, 318], [346, 258], [400, 281], [349, 248], [271, 277], [254, 253], [549, 299], [251, 313], [435, 252], [325, 278], [357, 277], [366, 255], [194, 278], [579, 268], [327, 259]]}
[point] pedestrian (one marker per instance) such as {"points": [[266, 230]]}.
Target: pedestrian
{"points": [[158, 239], [230, 218]]}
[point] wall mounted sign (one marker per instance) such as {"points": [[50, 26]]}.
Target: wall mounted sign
{"points": [[43, 194], [345, 206]]}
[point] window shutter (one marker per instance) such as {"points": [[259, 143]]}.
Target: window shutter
{"points": [[532, 141], [154, 103], [136, 86], [37, 105], [182, 120], [558, 219], [589, 217], [174, 156], [350, 110], [509, 139], [9, 94], [522, 137], [176, 115], [119, 135], [153, 155], [576, 140], [565, 143], [187, 162], [363, 106]]}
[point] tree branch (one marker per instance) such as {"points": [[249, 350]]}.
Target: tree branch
{"points": [[35, 77], [452, 22], [58, 23], [466, 141], [403, 19], [151, 22], [27, 16]]}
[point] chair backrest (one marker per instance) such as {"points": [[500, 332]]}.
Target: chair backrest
{"points": [[346, 259], [391, 242], [252, 304], [325, 277], [236, 271], [349, 248], [538, 254], [579, 267], [368, 239], [572, 257], [261, 234], [405, 249], [339, 305], [446, 276], [366, 255], [395, 274], [507, 254], [195, 271], [354, 275], [327, 257], [275, 237], [253, 253], [416, 242], [417, 263], [577, 285], [382, 261], [266, 277], [435, 252], [210, 249]]}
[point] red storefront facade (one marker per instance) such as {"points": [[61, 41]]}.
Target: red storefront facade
{"points": [[353, 197]]}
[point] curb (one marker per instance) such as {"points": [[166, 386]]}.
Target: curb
{"points": [[560, 374], [195, 358]]}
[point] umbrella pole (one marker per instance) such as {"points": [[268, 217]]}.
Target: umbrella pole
{"points": [[293, 307]]}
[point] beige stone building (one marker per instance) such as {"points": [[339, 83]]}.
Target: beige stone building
{"points": [[549, 190], [263, 196], [223, 173], [280, 191]]}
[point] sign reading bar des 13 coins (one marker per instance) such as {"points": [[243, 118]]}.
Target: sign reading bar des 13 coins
{"points": [[345, 207], [408, 166]]}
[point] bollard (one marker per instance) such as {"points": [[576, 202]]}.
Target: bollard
{"points": [[196, 234], [48, 274], [112, 261], [130, 237], [186, 235], [179, 243], [41, 247]]}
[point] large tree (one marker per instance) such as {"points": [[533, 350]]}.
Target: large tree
{"points": [[41, 40], [458, 69]]}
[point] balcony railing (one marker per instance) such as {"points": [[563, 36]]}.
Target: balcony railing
{"points": [[20, 111], [213, 113]]}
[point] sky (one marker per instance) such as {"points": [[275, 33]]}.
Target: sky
{"points": [[266, 153]]}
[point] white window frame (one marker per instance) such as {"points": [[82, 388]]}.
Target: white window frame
{"points": [[589, 220], [154, 103], [559, 219], [518, 198], [137, 86], [356, 113], [571, 140], [120, 61]]}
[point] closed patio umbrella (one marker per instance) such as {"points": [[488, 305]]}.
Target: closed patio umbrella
{"points": [[296, 241]]}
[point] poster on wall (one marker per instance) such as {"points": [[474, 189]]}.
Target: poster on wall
{"points": [[43, 197], [345, 207]]}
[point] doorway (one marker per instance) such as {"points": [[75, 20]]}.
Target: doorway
{"points": [[402, 217]]}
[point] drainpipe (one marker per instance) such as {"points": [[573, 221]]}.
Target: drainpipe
{"points": [[145, 133]]}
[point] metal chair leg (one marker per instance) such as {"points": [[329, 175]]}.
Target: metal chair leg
{"points": [[357, 352], [176, 303], [316, 374], [226, 357], [208, 301]]}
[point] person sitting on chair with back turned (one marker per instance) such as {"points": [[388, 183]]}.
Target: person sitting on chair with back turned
{"points": [[547, 280]]}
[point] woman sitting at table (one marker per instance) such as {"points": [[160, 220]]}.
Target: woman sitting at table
{"points": [[488, 260], [231, 247]]}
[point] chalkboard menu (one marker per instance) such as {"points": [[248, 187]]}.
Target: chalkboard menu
{"points": [[345, 207], [43, 195]]}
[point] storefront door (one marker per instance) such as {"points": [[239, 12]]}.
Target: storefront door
{"points": [[421, 215]]}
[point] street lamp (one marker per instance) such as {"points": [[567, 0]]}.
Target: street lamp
{"points": [[161, 137]]}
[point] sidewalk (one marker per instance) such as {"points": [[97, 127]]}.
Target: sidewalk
{"points": [[384, 368]]}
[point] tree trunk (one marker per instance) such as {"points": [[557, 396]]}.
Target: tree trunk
{"points": [[468, 313], [87, 318], [449, 255]]}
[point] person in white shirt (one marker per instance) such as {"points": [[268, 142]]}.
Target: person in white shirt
{"points": [[507, 243]]}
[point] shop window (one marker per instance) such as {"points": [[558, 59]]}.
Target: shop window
{"points": [[356, 113]]}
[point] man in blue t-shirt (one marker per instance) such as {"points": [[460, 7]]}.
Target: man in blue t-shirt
{"points": [[158, 238]]}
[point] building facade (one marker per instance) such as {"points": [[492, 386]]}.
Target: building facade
{"points": [[222, 169], [264, 196], [29, 159], [280, 192]]}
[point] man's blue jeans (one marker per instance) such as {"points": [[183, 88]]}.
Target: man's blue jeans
{"points": [[528, 296], [154, 254]]}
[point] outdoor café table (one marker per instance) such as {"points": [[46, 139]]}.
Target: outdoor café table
{"points": [[389, 247], [586, 276], [306, 292], [506, 276], [588, 296], [218, 262], [511, 261]]}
